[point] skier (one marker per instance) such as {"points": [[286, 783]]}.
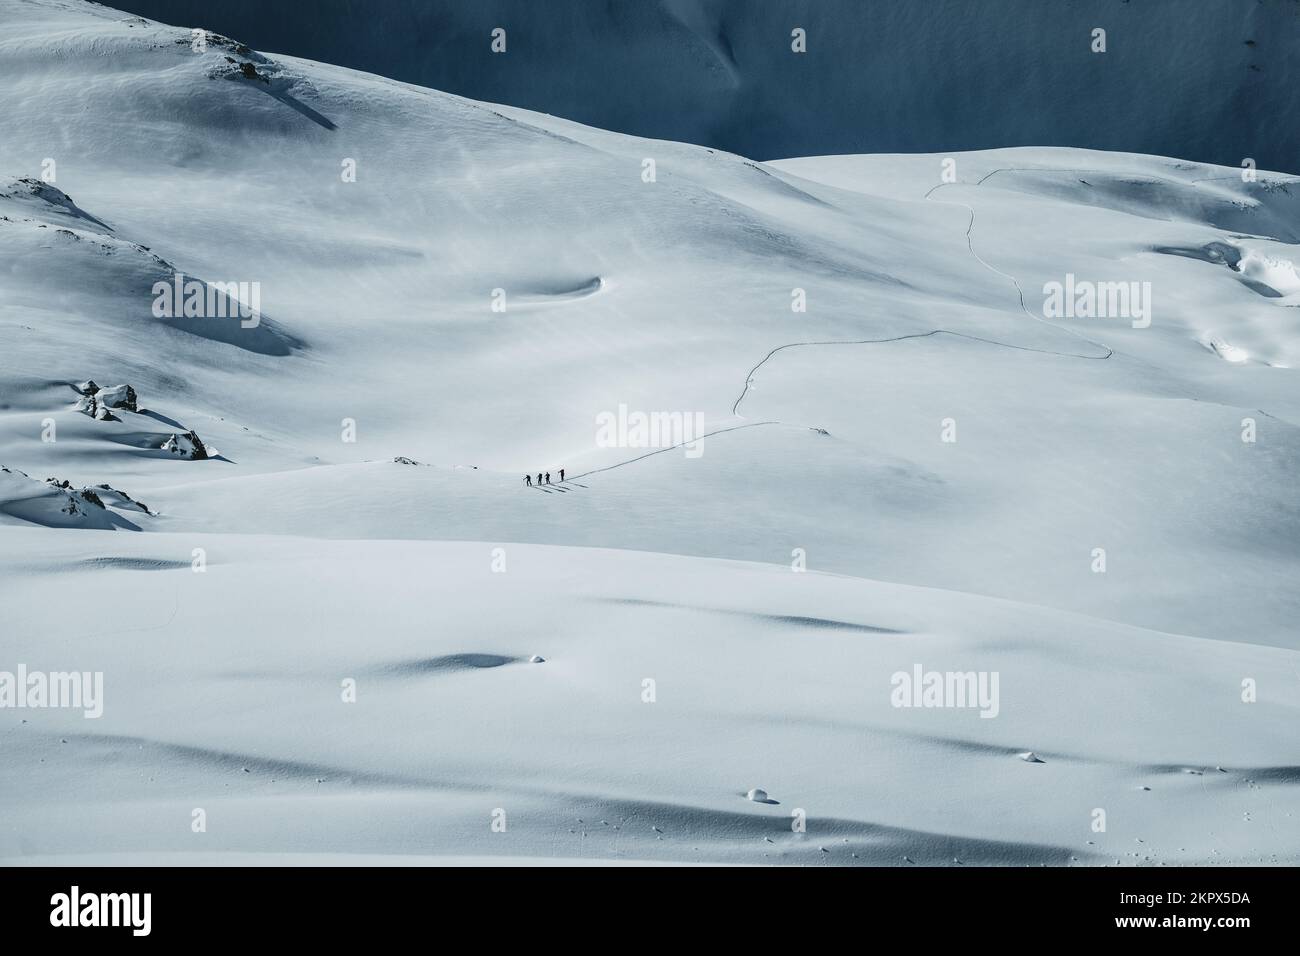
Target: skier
{"points": [[548, 477], [561, 474], [528, 480], [539, 477]]}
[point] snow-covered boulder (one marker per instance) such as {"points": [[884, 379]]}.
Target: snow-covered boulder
{"points": [[119, 396], [90, 405], [186, 445], [96, 401]]}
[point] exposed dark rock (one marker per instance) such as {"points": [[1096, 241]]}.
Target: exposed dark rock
{"points": [[186, 445]]}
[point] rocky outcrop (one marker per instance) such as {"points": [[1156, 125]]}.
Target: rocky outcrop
{"points": [[57, 503], [119, 499], [73, 495], [97, 402], [186, 445]]}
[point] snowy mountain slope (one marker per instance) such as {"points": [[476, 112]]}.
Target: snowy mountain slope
{"points": [[763, 678], [824, 438], [426, 263], [1197, 78]]}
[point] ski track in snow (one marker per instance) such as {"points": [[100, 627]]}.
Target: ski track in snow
{"points": [[1020, 292], [660, 451], [749, 379], [970, 246], [241, 668], [901, 338]]}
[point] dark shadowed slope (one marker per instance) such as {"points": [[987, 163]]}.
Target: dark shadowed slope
{"points": [[1200, 79]]}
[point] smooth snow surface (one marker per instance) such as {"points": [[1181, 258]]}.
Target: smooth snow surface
{"points": [[682, 657]]}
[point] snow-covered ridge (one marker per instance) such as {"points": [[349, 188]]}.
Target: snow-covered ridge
{"points": [[919, 453], [1194, 78], [57, 504]]}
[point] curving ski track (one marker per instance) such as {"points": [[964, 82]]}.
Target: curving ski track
{"points": [[1106, 351]]}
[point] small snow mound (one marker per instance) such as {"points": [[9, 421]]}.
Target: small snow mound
{"points": [[42, 191], [757, 795], [1030, 757], [537, 659], [1275, 273], [1226, 350], [44, 200]]}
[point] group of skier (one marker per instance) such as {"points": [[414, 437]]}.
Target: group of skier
{"points": [[528, 479]]}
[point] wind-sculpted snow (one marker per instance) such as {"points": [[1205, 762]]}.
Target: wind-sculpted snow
{"points": [[452, 719], [828, 425]]}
